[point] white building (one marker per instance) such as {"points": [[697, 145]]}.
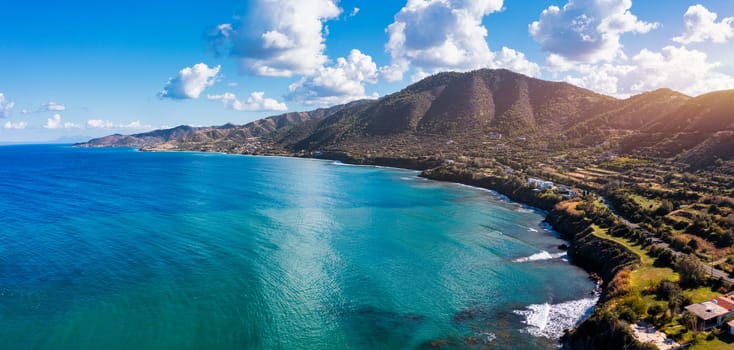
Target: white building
{"points": [[539, 184]]}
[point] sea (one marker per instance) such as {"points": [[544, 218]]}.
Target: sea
{"points": [[114, 248]]}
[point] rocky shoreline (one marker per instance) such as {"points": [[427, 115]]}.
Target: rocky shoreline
{"points": [[602, 259]]}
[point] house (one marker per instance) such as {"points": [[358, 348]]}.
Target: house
{"points": [[731, 327], [567, 192], [539, 184], [710, 314]]}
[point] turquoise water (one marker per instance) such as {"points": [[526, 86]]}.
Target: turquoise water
{"points": [[119, 249]]}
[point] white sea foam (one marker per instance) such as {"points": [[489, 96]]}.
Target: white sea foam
{"points": [[488, 337], [532, 229], [540, 256], [550, 320], [336, 162]]}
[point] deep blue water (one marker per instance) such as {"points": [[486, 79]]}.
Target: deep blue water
{"points": [[119, 249]]}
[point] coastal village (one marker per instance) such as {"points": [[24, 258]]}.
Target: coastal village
{"points": [[714, 316], [700, 318]]}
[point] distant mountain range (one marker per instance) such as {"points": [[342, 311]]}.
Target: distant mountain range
{"points": [[463, 113]]}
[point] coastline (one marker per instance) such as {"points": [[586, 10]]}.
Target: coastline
{"points": [[602, 259], [575, 234]]}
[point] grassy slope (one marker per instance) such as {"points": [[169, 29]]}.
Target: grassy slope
{"points": [[647, 275]]}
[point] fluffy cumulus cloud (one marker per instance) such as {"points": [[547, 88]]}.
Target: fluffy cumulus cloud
{"points": [[516, 61], [106, 124], [190, 82], [678, 68], [278, 37], [587, 30], [15, 125], [55, 122], [256, 102], [5, 106], [341, 82], [456, 39], [701, 26]]}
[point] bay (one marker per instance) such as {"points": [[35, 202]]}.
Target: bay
{"points": [[120, 249]]}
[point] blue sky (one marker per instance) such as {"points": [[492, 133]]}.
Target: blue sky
{"points": [[77, 69]]}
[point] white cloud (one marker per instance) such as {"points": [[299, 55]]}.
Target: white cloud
{"points": [[100, 124], [343, 82], [190, 82], [587, 30], [355, 11], [53, 106], [46, 107], [17, 125], [516, 61], [278, 37], [256, 102], [136, 125], [701, 26], [53, 122], [106, 124], [5, 106], [56, 123], [439, 35], [678, 68]]}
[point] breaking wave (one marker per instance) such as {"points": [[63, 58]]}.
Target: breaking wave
{"points": [[551, 320], [540, 256]]}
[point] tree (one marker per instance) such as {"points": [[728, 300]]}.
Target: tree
{"points": [[666, 206], [666, 258], [693, 244], [668, 290], [692, 272], [690, 321]]}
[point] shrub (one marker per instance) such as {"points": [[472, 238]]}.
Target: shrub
{"points": [[666, 258], [667, 290], [692, 272], [627, 314]]}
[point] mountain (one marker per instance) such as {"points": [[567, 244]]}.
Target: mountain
{"points": [[246, 138], [718, 147], [484, 113], [633, 113], [691, 128], [209, 138], [480, 101], [707, 113], [459, 107], [141, 140]]}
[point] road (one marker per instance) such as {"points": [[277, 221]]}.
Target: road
{"points": [[710, 269]]}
